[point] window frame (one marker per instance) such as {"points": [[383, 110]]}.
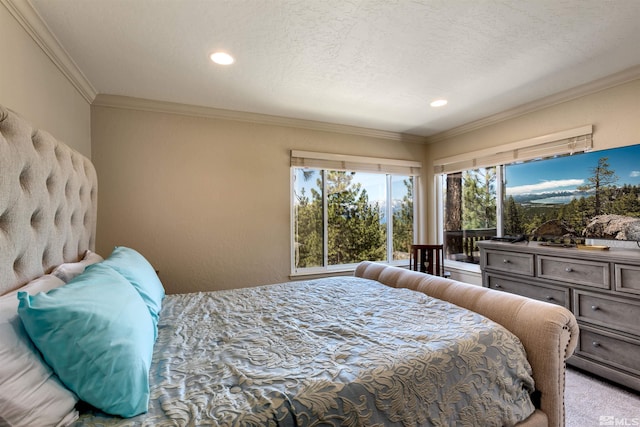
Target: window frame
{"points": [[439, 182], [343, 268]]}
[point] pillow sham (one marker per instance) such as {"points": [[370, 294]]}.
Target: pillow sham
{"points": [[69, 270], [141, 274], [97, 335], [30, 393]]}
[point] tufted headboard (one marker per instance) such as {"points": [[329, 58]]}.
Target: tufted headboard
{"points": [[48, 202]]}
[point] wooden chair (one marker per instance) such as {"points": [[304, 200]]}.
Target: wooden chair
{"points": [[428, 259]]}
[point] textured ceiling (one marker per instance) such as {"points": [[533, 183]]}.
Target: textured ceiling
{"points": [[369, 63]]}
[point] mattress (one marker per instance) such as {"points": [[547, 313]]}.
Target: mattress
{"points": [[340, 351]]}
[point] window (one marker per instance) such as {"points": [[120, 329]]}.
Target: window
{"points": [[474, 192], [592, 195], [343, 216], [470, 211]]}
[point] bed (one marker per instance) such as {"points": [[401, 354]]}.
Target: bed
{"points": [[387, 346]]}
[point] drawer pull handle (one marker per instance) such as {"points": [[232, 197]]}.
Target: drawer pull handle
{"points": [[595, 344], [568, 269], [549, 298], [595, 308], [505, 261], [497, 286]]}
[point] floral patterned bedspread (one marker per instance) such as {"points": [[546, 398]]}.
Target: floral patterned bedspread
{"points": [[333, 352]]}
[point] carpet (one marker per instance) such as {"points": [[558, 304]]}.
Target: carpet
{"points": [[591, 401]]}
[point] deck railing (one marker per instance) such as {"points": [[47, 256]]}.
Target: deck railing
{"points": [[461, 245]]}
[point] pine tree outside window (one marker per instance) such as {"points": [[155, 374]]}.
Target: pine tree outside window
{"points": [[470, 211]]}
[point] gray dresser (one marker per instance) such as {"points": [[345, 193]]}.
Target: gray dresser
{"points": [[601, 288]]}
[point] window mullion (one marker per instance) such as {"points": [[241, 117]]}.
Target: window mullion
{"points": [[389, 214], [325, 221], [499, 200]]}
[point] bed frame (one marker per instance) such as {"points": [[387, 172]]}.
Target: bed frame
{"points": [[548, 332], [48, 205]]}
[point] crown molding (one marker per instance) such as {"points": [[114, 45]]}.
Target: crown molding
{"points": [[33, 24], [125, 102], [604, 83]]}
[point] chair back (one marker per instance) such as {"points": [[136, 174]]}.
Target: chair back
{"points": [[427, 259]]}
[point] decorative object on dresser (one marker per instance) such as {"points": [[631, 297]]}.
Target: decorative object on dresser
{"points": [[601, 288]]}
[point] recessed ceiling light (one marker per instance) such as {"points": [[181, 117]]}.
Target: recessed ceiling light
{"points": [[222, 58], [439, 103]]}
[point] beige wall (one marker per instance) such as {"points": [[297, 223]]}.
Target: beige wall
{"points": [[614, 114], [33, 86], [205, 200]]}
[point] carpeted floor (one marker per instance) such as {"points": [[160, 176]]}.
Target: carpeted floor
{"points": [[590, 401]]}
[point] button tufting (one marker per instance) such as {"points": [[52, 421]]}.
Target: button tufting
{"points": [[36, 218], [76, 166], [18, 265], [57, 218], [36, 140], [67, 189], [50, 183], [25, 178], [47, 260], [75, 218], [65, 251], [58, 152], [4, 221]]}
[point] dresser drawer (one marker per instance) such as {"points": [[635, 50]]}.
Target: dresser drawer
{"points": [[512, 262], [612, 349], [616, 313], [627, 278], [552, 294], [586, 273]]}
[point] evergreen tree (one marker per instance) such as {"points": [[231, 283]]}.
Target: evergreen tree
{"points": [[534, 223], [479, 199], [513, 217], [403, 222], [627, 202], [355, 230], [453, 242], [309, 230], [602, 177]]}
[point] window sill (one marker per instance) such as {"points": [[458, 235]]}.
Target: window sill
{"points": [[346, 270], [462, 266]]}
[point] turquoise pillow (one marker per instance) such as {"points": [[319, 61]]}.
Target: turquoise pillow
{"points": [[141, 274], [97, 335]]}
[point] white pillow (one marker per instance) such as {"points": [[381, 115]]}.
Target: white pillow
{"points": [[69, 270], [30, 393]]}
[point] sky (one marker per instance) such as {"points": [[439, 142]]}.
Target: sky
{"points": [[374, 183], [567, 173]]}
